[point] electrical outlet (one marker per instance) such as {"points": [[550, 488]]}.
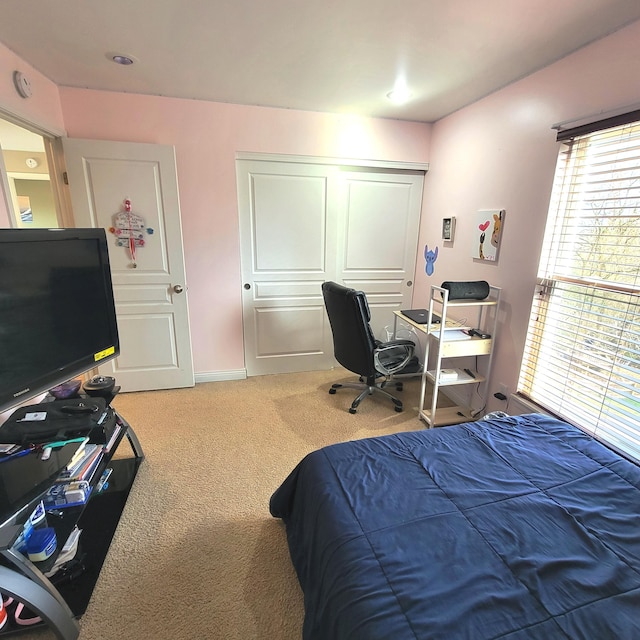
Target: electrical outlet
{"points": [[502, 388]]}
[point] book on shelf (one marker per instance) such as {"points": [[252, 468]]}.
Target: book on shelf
{"points": [[77, 462], [84, 468], [448, 374], [79, 454], [112, 437], [89, 470]]}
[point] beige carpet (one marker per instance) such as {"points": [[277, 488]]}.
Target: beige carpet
{"points": [[197, 554]]}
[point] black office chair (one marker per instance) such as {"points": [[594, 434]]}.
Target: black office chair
{"points": [[355, 347]]}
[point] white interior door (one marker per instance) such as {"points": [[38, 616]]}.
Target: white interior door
{"points": [[150, 295], [302, 224], [377, 243]]}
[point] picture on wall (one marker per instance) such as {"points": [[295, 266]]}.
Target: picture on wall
{"points": [[24, 204], [487, 234]]}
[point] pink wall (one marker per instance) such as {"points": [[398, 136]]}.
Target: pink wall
{"points": [[500, 153], [207, 137], [42, 108]]}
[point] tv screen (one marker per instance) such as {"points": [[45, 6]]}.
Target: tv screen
{"points": [[57, 312]]}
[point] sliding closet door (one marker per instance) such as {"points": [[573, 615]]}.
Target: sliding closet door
{"points": [[287, 231], [377, 243], [302, 224]]}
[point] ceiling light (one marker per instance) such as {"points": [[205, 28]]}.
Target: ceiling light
{"points": [[124, 60], [400, 95], [121, 58]]}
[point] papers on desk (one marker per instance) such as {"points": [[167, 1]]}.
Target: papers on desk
{"points": [[453, 334]]}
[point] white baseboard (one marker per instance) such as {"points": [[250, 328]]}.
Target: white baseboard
{"points": [[218, 376]]}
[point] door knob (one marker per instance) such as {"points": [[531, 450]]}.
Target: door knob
{"points": [[247, 286], [178, 288]]}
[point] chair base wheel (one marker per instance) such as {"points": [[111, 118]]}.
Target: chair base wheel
{"points": [[366, 389]]}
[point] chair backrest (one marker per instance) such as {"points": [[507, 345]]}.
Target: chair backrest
{"points": [[353, 340]]}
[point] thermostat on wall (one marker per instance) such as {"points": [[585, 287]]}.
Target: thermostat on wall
{"points": [[23, 86], [448, 228]]}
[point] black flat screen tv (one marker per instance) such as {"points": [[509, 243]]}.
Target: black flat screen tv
{"points": [[57, 311]]}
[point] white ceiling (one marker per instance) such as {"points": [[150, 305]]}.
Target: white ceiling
{"points": [[340, 56]]}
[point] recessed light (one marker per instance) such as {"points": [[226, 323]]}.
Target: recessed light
{"points": [[123, 59]]}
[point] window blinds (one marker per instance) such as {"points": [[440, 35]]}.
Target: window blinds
{"points": [[582, 354]]}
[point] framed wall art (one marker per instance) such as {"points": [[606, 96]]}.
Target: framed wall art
{"points": [[487, 234]]}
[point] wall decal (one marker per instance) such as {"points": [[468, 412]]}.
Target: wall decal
{"points": [[486, 238], [430, 257]]}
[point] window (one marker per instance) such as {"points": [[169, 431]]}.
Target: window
{"points": [[582, 354]]}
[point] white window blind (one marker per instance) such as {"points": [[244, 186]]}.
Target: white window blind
{"points": [[582, 354]]}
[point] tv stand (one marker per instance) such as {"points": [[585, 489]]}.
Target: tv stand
{"points": [[60, 605]]}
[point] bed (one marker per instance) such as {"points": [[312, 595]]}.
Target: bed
{"points": [[513, 527]]}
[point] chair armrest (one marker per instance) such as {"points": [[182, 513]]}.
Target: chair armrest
{"points": [[390, 357], [395, 343]]}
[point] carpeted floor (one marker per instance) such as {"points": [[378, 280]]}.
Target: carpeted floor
{"points": [[197, 554]]}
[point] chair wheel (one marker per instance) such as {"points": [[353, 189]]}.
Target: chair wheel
{"points": [[352, 410], [398, 409], [332, 391]]}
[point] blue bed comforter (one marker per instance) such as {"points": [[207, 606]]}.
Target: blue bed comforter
{"points": [[521, 527]]}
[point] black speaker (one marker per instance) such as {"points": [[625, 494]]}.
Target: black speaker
{"points": [[475, 290], [99, 386]]}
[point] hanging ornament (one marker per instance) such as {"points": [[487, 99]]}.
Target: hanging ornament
{"points": [[129, 229]]}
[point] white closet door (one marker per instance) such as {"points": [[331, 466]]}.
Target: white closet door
{"points": [[377, 244], [287, 231], [304, 223]]}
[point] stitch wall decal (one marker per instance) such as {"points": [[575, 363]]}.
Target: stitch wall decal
{"points": [[430, 257]]}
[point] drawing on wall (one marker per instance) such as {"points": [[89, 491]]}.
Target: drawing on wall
{"points": [[430, 257], [129, 229], [486, 238]]}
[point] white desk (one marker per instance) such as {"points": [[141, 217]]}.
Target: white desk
{"points": [[467, 347]]}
